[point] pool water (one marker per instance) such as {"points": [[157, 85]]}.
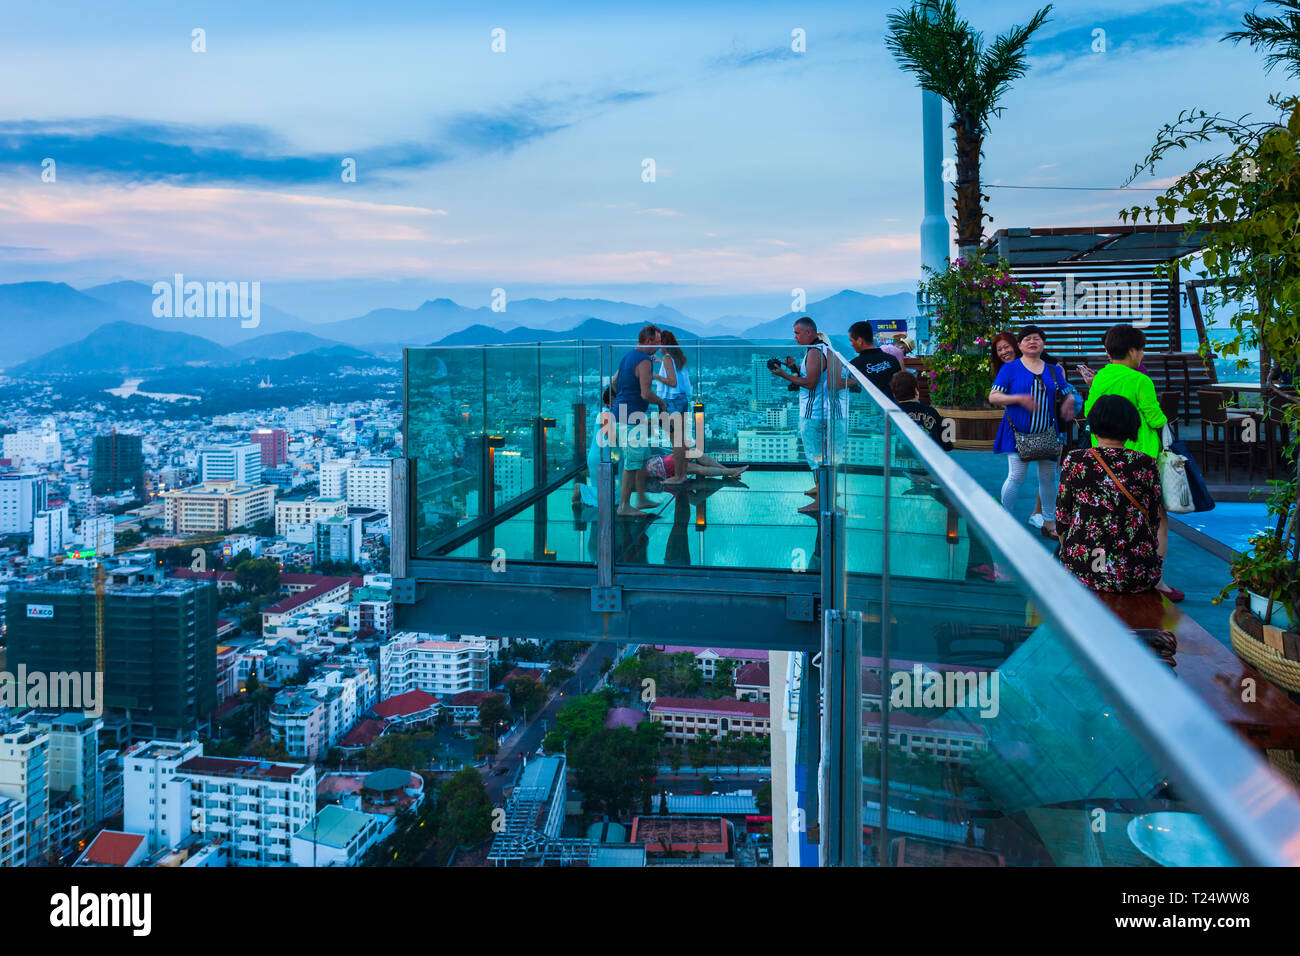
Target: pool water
{"points": [[1232, 523]]}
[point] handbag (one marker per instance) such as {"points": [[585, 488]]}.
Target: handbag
{"points": [[1202, 500], [1120, 485], [1037, 446], [1174, 485]]}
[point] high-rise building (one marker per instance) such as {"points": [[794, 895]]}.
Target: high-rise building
{"points": [[97, 535], [21, 498], [333, 477], [762, 388], [74, 766], [13, 833], [34, 445], [217, 506], [24, 777], [338, 539], [416, 661], [755, 444], [117, 464], [370, 484], [240, 463], [51, 532], [160, 644], [274, 443]]}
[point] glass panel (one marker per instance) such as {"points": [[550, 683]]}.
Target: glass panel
{"points": [[1003, 750]]}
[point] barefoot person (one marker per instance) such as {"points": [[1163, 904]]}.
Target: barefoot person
{"points": [[633, 397], [673, 385], [663, 467]]}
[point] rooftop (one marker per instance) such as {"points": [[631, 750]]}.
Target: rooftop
{"points": [[111, 848], [709, 705], [335, 827], [403, 705], [241, 768]]}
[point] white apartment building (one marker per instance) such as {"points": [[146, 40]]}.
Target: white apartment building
{"points": [[172, 790], [333, 477], [370, 484], [513, 472], [217, 506], [763, 445], [311, 719], [73, 759], [36, 446], [13, 833], [21, 498], [97, 534], [412, 660], [24, 776], [240, 462], [51, 532], [294, 513]]}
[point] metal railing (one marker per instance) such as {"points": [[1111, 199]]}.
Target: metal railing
{"points": [[1251, 808]]}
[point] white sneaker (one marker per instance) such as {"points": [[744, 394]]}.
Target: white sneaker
{"points": [[1036, 519]]}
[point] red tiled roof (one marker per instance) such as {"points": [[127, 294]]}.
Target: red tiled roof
{"points": [[112, 848], [324, 586], [363, 734], [722, 705], [234, 767], [532, 672], [899, 720], [754, 674], [412, 702], [475, 697]]}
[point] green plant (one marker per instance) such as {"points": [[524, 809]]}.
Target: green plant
{"points": [[1243, 203], [949, 58], [972, 302], [1269, 571]]}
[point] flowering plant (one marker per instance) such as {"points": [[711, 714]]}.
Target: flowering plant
{"points": [[972, 302]]}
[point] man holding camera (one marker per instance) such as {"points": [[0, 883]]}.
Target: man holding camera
{"points": [[817, 399]]}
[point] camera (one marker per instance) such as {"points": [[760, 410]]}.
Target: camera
{"points": [[788, 363]]}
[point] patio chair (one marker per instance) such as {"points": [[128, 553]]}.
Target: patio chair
{"points": [[1170, 403], [1221, 433]]}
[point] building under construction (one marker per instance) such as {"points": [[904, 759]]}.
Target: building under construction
{"points": [[156, 647]]}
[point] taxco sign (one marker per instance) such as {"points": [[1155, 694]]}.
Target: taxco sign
{"points": [[43, 611]]}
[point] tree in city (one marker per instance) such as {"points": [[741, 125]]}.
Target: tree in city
{"points": [[614, 767], [700, 749], [527, 694], [465, 812], [258, 576], [394, 750], [949, 57], [578, 718], [556, 677], [485, 746], [493, 714], [1244, 202]]}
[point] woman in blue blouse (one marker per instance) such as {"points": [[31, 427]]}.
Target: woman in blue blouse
{"points": [[1029, 389]]}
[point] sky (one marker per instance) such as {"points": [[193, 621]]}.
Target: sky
{"points": [[523, 168]]}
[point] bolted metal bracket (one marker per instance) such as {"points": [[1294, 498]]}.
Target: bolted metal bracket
{"points": [[799, 607], [607, 600], [403, 590]]}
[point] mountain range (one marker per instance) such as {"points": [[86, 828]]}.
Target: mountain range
{"points": [[112, 327]]}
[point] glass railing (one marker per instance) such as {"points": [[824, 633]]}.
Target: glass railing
{"points": [[1007, 717]]}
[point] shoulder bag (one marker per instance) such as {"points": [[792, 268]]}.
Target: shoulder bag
{"points": [[1120, 485], [1174, 486], [1038, 446]]}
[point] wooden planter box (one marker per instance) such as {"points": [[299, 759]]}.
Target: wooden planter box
{"points": [[976, 427]]}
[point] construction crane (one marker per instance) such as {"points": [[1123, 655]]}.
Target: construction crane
{"points": [[101, 578]]}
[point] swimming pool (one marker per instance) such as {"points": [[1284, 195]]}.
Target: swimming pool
{"points": [[1232, 523]]}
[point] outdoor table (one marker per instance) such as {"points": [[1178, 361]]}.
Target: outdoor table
{"points": [[1214, 673]]}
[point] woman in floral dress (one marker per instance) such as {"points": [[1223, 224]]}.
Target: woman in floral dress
{"points": [[1108, 505]]}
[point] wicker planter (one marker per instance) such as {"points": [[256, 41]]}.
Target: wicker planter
{"points": [[1246, 632], [976, 427]]}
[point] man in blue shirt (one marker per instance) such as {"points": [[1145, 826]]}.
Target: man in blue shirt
{"points": [[633, 396]]}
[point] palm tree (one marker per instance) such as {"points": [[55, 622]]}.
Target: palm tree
{"points": [[950, 59], [1279, 37]]}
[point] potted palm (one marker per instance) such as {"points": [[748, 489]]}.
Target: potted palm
{"points": [[972, 302], [949, 58]]}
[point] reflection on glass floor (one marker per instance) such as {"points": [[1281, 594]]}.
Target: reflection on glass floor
{"points": [[748, 522]]}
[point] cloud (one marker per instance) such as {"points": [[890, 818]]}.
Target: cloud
{"points": [[1157, 28]]}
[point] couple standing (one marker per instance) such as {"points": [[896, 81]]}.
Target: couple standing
{"points": [[636, 387]]}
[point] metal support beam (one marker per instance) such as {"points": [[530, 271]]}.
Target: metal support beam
{"points": [[842, 739], [882, 841]]}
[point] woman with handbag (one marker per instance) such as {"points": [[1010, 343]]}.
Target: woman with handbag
{"points": [[1108, 505], [1030, 390]]}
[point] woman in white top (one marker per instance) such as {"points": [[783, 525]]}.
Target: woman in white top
{"points": [[673, 385]]}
